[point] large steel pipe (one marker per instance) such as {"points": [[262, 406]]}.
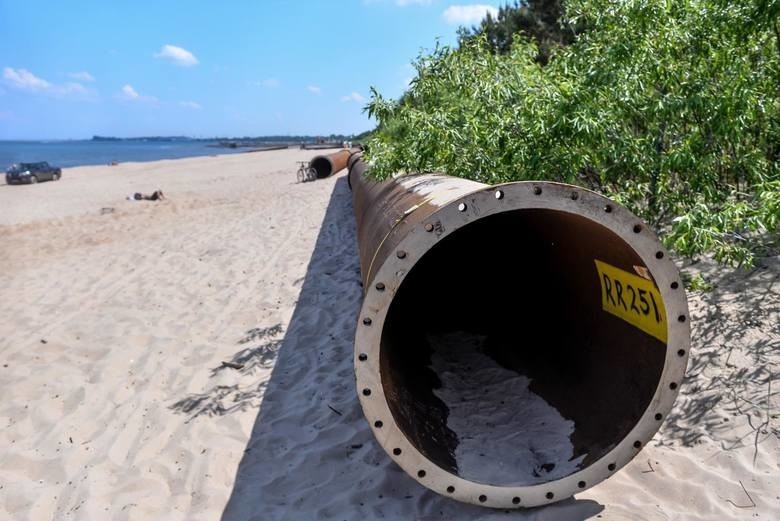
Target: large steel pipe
{"points": [[325, 166], [517, 343]]}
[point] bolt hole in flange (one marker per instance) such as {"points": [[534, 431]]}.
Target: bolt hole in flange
{"points": [[587, 375]]}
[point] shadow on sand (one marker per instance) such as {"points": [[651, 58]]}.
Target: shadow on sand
{"points": [[223, 399], [735, 340], [311, 454]]}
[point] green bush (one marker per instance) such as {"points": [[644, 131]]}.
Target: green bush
{"points": [[669, 107]]}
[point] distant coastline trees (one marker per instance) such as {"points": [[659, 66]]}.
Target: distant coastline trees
{"points": [[671, 107]]}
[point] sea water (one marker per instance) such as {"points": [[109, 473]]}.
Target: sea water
{"points": [[87, 152]]}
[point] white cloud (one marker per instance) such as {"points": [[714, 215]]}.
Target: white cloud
{"points": [[72, 87], [357, 98], [128, 93], [190, 105], [314, 89], [177, 55], [270, 83], [82, 76], [25, 80], [468, 14]]}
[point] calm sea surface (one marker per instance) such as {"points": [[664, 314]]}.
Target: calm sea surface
{"points": [[76, 153]]}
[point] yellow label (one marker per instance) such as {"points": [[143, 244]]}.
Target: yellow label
{"points": [[634, 299]]}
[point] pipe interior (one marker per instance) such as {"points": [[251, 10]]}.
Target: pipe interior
{"points": [[322, 165], [497, 360]]}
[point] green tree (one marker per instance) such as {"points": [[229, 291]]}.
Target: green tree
{"points": [[540, 20], [670, 107]]}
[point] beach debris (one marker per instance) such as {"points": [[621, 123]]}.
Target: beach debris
{"points": [[233, 365], [752, 503], [335, 410], [43, 341], [106, 210]]}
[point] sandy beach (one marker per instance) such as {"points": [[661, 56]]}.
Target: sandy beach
{"points": [[191, 359]]}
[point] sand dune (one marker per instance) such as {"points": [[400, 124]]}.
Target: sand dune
{"points": [[114, 326]]}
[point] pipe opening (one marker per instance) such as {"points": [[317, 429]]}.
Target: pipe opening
{"points": [[497, 360], [322, 165]]}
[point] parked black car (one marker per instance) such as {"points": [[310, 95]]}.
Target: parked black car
{"points": [[32, 173]]}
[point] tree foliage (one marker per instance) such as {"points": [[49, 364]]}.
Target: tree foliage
{"points": [[671, 107], [535, 19]]}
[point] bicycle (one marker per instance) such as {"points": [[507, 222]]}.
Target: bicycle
{"points": [[305, 172]]}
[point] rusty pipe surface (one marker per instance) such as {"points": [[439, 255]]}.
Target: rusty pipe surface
{"points": [[517, 343], [325, 166]]}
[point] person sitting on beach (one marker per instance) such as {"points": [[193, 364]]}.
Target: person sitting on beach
{"points": [[156, 196]]}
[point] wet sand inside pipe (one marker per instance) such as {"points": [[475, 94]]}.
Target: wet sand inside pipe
{"points": [[506, 433]]}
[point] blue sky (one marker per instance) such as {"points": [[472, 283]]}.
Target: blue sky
{"points": [[72, 69]]}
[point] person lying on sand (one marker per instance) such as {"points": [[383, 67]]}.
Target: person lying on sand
{"points": [[156, 196]]}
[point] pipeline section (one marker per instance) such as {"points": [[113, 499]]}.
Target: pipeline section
{"points": [[327, 165], [517, 343]]}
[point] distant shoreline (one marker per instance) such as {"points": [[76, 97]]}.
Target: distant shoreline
{"points": [[67, 154]]}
